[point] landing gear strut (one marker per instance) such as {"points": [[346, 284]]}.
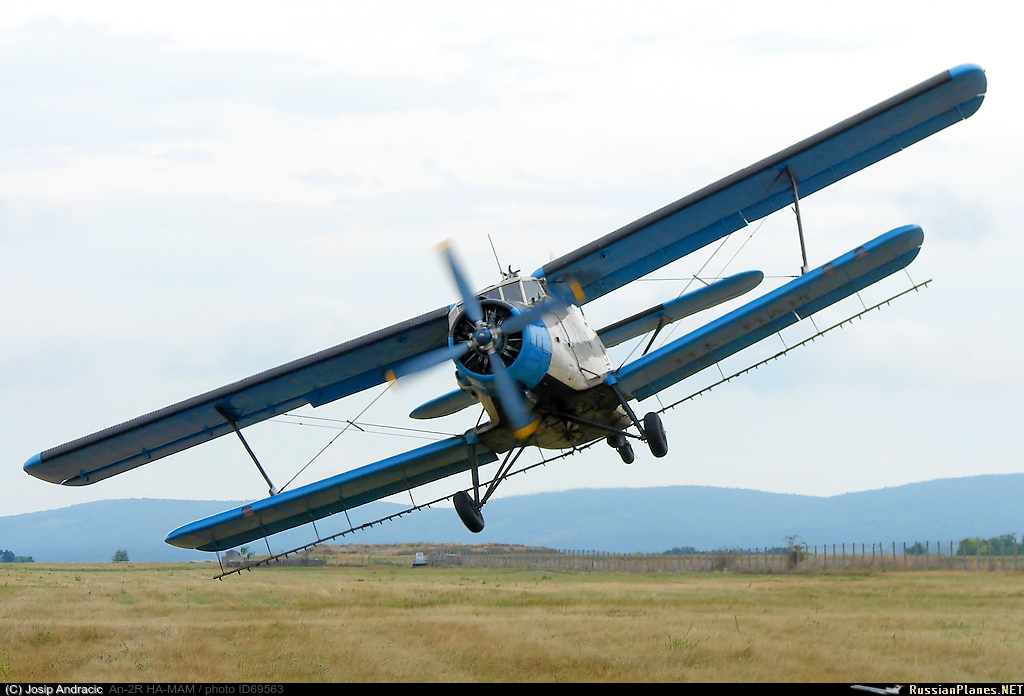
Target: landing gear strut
{"points": [[468, 506]]}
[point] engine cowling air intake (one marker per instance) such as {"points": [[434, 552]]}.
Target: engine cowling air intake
{"points": [[525, 353]]}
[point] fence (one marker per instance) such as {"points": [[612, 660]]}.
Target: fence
{"points": [[878, 556]]}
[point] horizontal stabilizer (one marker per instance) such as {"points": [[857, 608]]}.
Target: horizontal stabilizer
{"points": [[328, 497], [731, 203], [770, 313], [679, 308], [445, 405], [317, 379]]}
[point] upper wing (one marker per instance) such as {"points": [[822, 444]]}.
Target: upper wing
{"points": [[330, 496], [770, 313], [316, 379], [731, 203]]}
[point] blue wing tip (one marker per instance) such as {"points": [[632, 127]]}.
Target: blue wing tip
{"points": [[971, 75], [964, 69], [914, 234], [33, 462], [172, 538]]}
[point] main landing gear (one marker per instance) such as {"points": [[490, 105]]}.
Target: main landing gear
{"points": [[652, 431], [655, 433], [469, 511], [468, 506]]}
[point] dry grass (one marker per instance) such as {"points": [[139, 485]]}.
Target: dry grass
{"points": [[164, 622]]}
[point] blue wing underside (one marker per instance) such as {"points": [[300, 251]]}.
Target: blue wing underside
{"points": [[330, 496]]}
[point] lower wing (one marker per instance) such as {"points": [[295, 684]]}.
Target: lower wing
{"points": [[769, 313], [330, 496]]}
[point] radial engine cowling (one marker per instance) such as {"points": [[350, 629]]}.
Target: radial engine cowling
{"points": [[526, 354]]}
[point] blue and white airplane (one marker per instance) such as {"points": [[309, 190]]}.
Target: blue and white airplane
{"points": [[523, 349]]}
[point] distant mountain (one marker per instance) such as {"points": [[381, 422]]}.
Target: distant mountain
{"points": [[606, 519]]}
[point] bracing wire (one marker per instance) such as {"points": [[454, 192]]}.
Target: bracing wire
{"points": [[340, 433], [686, 287], [672, 329], [668, 334], [340, 424]]}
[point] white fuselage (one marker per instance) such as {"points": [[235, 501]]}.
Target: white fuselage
{"points": [[574, 380], [578, 358]]}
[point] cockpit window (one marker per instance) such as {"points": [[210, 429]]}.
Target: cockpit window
{"points": [[532, 290], [513, 293]]}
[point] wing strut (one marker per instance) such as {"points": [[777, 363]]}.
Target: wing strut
{"points": [[799, 223], [506, 466], [231, 418]]}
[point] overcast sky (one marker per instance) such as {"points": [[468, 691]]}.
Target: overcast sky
{"points": [[193, 193]]}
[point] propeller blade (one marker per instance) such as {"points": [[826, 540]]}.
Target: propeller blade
{"points": [[520, 419], [520, 321], [422, 362], [469, 300]]}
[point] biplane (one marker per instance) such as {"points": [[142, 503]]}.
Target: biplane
{"points": [[523, 350]]}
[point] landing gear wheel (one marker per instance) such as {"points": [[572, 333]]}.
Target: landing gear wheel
{"points": [[468, 512], [655, 432], [626, 452], [616, 441]]}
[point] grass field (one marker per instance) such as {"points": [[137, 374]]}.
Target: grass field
{"points": [[171, 622]]}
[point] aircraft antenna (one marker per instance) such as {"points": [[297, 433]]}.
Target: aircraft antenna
{"points": [[495, 252]]}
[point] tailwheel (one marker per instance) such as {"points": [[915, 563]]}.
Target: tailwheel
{"points": [[616, 440], [620, 444], [469, 513], [655, 432], [626, 452]]}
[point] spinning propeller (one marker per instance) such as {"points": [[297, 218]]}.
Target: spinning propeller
{"points": [[487, 339]]}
